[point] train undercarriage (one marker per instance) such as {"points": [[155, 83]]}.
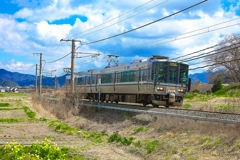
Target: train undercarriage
{"points": [[155, 100]]}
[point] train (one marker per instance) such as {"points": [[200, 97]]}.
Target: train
{"points": [[157, 80]]}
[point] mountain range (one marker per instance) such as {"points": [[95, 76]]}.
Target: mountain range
{"points": [[12, 79]]}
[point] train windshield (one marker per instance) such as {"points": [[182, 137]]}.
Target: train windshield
{"points": [[170, 72], [160, 71], [183, 78]]}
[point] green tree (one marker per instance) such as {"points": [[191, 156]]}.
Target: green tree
{"points": [[217, 85]]}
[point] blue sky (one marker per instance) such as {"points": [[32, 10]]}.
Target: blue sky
{"points": [[36, 26]]}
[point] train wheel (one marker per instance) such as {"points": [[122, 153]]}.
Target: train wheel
{"points": [[155, 106], [144, 104], [167, 106], [116, 101]]}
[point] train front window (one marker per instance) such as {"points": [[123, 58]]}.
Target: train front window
{"points": [[183, 78], [173, 75], [159, 70]]}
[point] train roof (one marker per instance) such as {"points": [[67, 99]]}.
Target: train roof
{"points": [[142, 64]]}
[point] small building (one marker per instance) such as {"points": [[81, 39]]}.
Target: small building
{"points": [[2, 89]]}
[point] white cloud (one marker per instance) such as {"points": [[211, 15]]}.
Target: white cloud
{"points": [[38, 34], [53, 32], [14, 66]]}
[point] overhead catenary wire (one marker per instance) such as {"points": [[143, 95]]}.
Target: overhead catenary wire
{"points": [[113, 18], [175, 39], [145, 24], [58, 45], [209, 65], [60, 58], [125, 19], [204, 55]]}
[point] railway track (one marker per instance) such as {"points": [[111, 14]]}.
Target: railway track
{"points": [[228, 118]]}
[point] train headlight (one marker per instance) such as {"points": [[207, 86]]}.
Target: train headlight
{"points": [[182, 90], [160, 88]]}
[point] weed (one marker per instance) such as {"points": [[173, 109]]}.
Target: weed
{"points": [[139, 129], [44, 150], [62, 127], [2, 109], [204, 140], [208, 142], [171, 150], [185, 149], [115, 137], [12, 120], [127, 115], [151, 146], [5, 105], [29, 113], [223, 108], [204, 97], [187, 106], [137, 144], [96, 137], [190, 96]]}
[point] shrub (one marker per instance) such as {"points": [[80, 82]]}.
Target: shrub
{"points": [[196, 91], [217, 85], [190, 96]]}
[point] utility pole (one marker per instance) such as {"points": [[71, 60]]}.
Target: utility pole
{"points": [[56, 84], [72, 61], [40, 73], [36, 78]]}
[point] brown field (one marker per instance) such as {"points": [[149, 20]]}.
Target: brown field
{"points": [[155, 137]]}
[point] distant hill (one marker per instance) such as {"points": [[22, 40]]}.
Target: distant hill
{"points": [[27, 79], [202, 77], [6, 82]]}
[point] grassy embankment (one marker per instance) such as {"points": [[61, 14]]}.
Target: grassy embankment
{"points": [[225, 100]]}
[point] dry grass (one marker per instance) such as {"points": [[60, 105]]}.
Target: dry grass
{"points": [[176, 138]]}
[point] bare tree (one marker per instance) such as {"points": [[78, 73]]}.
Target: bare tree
{"points": [[226, 59]]}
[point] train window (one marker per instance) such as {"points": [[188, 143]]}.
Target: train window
{"points": [[80, 80], [173, 75], [128, 76], [107, 78], [159, 70], [93, 79], [124, 77], [183, 78], [88, 80], [132, 75]]}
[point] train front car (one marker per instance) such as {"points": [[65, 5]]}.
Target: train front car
{"points": [[170, 81]]}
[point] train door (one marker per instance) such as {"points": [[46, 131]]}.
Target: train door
{"points": [[142, 87]]}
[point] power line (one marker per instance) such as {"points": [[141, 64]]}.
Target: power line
{"points": [[125, 19], [202, 56], [59, 58], [113, 18], [57, 45], [145, 24], [176, 37], [209, 65]]}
